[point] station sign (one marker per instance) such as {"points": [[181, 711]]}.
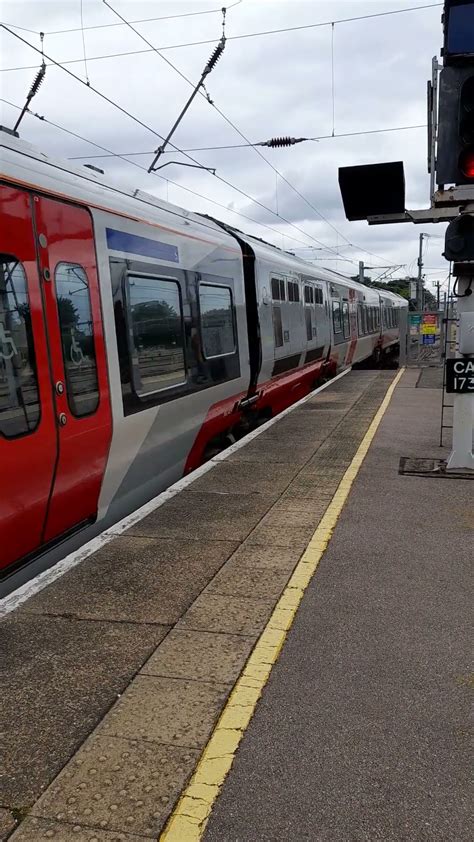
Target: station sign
{"points": [[460, 376]]}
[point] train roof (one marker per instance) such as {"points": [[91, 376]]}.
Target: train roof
{"points": [[396, 299]]}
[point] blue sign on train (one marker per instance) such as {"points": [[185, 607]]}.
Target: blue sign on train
{"points": [[142, 246]]}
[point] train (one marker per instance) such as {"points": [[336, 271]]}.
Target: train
{"points": [[137, 339]]}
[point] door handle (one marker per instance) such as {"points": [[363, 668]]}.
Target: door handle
{"points": [[62, 419]]}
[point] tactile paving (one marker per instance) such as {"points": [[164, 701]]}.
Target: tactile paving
{"points": [[120, 785], [166, 710], [44, 830], [201, 656]]}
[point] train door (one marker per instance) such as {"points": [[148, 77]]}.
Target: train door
{"points": [[349, 323], [78, 362], [55, 418], [280, 315], [28, 435], [322, 322], [310, 315]]}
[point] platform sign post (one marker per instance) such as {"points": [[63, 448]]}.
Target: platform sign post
{"points": [[460, 378], [423, 338]]}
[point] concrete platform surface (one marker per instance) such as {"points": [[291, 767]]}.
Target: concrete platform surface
{"points": [[362, 731], [104, 725]]}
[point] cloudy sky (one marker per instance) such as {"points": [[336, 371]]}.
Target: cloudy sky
{"points": [[267, 85]]}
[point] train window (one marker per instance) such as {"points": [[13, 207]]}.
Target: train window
{"points": [[359, 318], [77, 338], [155, 333], [19, 396], [293, 291], [345, 319], [278, 289], [336, 317], [217, 320], [309, 324], [318, 296], [309, 295], [277, 327]]}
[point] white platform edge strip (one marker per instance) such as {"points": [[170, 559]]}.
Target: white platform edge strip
{"points": [[24, 592]]}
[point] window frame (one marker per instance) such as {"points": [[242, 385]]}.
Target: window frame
{"points": [[346, 322], [144, 396], [281, 288], [309, 300], [232, 310], [337, 303], [67, 390], [33, 429], [293, 292]]}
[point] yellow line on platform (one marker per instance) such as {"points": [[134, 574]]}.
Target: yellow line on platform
{"points": [[188, 821]]}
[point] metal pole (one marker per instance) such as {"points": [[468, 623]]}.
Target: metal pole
{"points": [[463, 410], [419, 280], [437, 295], [361, 271]]}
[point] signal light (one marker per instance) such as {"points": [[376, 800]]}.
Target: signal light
{"points": [[466, 129], [466, 163], [459, 239], [455, 150]]}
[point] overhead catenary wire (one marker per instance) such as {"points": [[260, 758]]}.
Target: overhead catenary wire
{"points": [[249, 145], [263, 33], [241, 134], [140, 20]]}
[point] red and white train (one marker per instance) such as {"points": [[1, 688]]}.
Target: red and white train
{"points": [[136, 338]]}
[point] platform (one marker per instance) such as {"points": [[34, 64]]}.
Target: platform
{"points": [[118, 671]]}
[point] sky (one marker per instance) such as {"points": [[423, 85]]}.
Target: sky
{"points": [[356, 76]]}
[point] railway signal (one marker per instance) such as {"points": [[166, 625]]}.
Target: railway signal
{"points": [[459, 240], [455, 154]]}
